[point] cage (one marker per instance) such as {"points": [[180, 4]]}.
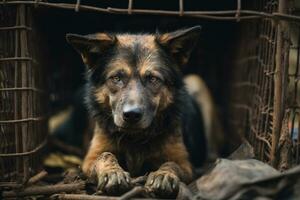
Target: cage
{"points": [[249, 57], [264, 103], [23, 127]]}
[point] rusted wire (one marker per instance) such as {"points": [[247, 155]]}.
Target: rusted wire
{"points": [[197, 14], [181, 9], [130, 2], [15, 28], [28, 153], [21, 98], [77, 6], [262, 70], [16, 59], [36, 3], [21, 120], [22, 89], [253, 75], [238, 12]]}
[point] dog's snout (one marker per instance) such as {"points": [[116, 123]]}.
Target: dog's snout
{"points": [[132, 114]]}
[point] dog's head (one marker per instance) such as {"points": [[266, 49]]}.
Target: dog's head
{"points": [[134, 76]]}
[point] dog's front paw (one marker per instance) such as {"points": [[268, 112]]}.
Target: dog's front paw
{"points": [[114, 181], [163, 183]]}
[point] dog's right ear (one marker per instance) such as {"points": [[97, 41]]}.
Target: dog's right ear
{"points": [[180, 43], [91, 47]]}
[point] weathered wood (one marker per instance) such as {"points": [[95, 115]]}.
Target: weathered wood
{"points": [[81, 197], [278, 86], [37, 177], [45, 190]]}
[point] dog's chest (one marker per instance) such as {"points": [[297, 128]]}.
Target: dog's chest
{"points": [[138, 162]]}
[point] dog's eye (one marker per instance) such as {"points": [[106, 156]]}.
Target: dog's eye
{"points": [[152, 79], [116, 79]]}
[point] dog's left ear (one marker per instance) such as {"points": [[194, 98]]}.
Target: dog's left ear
{"points": [[91, 47], [180, 43]]}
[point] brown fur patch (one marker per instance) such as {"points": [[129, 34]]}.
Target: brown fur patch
{"points": [[146, 65], [133, 93], [101, 95], [106, 161], [119, 65], [165, 98], [99, 144], [216, 140], [103, 37], [127, 40], [175, 151]]}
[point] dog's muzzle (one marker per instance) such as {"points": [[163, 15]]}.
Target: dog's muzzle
{"points": [[132, 114]]}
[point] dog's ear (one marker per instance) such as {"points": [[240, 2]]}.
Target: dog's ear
{"points": [[180, 43], [91, 47]]}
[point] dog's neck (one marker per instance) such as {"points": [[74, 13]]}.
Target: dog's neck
{"points": [[161, 127]]}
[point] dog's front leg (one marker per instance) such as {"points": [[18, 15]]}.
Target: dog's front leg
{"points": [[165, 181], [101, 164]]}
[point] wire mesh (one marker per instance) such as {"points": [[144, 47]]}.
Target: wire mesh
{"points": [[260, 85], [254, 81], [22, 120]]}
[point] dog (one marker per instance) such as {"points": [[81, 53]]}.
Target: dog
{"points": [[145, 119]]}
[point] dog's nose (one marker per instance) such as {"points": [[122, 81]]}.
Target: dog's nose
{"points": [[132, 115]]}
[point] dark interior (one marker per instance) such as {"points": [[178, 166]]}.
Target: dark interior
{"points": [[212, 59]]}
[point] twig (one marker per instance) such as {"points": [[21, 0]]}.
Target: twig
{"points": [[90, 197], [37, 178], [45, 190], [81, 197], [135, 191], [139, 180]]}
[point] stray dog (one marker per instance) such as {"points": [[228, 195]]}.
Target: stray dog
{"points": [[145, 120]]}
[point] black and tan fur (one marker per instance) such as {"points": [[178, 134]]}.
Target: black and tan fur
{"points": [[141, 71]]}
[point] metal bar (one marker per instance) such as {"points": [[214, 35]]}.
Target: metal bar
{"points": [[24, 96], [28, 153], [22, 89], [14, 28], [238, 11], [130, 2], [18, 141], [22, 120], [16, 59], [77, 5], [196, 14], [181, 8], [188, 13], [36, 3], [287, 17]]}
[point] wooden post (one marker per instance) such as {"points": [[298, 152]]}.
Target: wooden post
{"points": [[24, 83], [278, 85]]}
